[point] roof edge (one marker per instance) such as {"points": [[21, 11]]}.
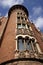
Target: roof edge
{"points": [[17, 7]]}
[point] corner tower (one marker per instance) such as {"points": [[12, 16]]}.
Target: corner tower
{"points": [[19, 42]]}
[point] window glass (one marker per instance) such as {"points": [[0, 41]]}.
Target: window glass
{"points": [[18, 25], [28, 26], [33, 40], [28, 44], [20, 44], [25, 18], [24, 44], [24, 14], [23, 25], [18, 17], [21, 13], [18, 13], [22, 18]]}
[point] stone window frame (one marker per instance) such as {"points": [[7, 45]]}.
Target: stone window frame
{"points": [[22, 26], [24, 37], [19, 26], [20, 38], [38, 48]]}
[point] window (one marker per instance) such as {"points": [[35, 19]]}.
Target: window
{"points": [[25, 43], [18, 17], [24, 14], [18, 13], [22, 18], [28, 26], [25, 18], [28, 44], [21, 13], [33, 40], [23, 25], [19, 26], [20, 44]]}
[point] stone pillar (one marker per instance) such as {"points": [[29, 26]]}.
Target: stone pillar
{"points": [[38, 48]]}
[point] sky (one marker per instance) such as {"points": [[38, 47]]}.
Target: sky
{"points": [[34, 7]]}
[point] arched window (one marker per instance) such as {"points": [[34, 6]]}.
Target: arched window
{"points": [[20, 43], [33, 41], [34, 45], [28, 43], [19, 26]]}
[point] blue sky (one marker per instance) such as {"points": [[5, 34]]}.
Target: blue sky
{"points": [[35, 9]]}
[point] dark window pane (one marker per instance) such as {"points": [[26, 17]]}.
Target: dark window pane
{"points": [[18, 13], [23, 25], [28, 26], [33, 40], [21, 13], [22, 18], [25, 18], [18, 17]]}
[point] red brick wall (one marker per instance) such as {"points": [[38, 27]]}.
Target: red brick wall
{"points": [[8, 44], [37, 36]]}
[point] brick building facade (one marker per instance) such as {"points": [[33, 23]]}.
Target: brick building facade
{"points": [[21, 43]]}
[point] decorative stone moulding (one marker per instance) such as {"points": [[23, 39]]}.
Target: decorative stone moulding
{"points": [[25, 54]]}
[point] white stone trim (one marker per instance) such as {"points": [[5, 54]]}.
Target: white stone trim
{"points": [[16, 45], [38, 48], [25, 36], [30, 28], [26, 26]]}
